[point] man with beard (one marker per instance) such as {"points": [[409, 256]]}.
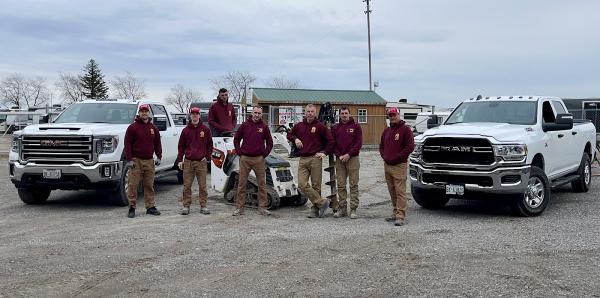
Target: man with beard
{"points": [[221, 116]]}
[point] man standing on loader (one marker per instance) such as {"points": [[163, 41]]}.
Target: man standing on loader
{"points": [[195, 143], [314, 141], [256, 145], [142, 141], [396, 145], [221, 116], [348, 141]]}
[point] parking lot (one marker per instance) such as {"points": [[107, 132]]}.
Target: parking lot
{"points": [[78, 245]]}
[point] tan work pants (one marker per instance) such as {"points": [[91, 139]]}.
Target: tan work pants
{"points": [[395, 176], [194, 169], [256, 164], [142, 171]]}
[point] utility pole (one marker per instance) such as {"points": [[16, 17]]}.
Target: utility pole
{"points": [[368, 13]]}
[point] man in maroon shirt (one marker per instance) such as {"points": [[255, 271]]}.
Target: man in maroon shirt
{"points": [[348, 141], [195, 144], [256, 145], [142, 141], [221, 116], [314, 141], [396, 145]]}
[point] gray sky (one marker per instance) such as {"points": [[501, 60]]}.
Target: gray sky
{"points": [[428, 51]]}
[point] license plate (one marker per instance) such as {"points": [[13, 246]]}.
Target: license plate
{"points": [[452, 189], [51, 174]]}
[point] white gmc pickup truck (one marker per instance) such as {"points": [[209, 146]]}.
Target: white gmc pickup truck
{"points": [[83, 149], [512, 147]]}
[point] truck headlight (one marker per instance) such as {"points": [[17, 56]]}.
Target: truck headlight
{"points": [[511, 152], [107, 144], [418, 150], [16, 143]]}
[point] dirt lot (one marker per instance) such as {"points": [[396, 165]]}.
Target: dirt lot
{"points": [[77, 245]]}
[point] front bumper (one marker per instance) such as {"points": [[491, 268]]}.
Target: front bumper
{"points": [[502, 180], [73, 176]]}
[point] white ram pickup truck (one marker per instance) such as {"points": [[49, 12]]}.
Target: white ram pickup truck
{"points": [[514, 147], [84, 149]]}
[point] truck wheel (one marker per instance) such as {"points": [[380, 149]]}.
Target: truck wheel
{"points": [[536, 197], [119, 196], [582, 184], [180, 176], [429, 199], [34, 196]]}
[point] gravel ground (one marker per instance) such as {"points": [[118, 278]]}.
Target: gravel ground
{"points": [[77, 245]]}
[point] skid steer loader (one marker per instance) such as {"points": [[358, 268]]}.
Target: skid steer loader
{"points": [[282, 185]]}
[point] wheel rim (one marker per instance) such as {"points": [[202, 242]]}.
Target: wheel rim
{"points": [[534, 195], [587, 173]]}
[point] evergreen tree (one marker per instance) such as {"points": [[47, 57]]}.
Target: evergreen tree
{"points": [[92, 81]]}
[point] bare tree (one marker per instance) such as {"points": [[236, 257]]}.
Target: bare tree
{"points": [[236, 83], [70, 88], [282, 83], [18, 91], [180, 98], [128, 87]]}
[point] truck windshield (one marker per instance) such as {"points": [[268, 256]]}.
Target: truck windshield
{"points": [[102, 112], [513, 112]]}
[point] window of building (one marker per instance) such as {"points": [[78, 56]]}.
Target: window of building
{"points": [[362, 115]]}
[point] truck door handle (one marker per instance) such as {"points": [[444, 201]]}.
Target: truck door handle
{"points": [[573, 132], [560, 135]]}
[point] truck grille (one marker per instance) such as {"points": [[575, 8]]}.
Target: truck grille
{"points": [[57, 149], [458, 151]]}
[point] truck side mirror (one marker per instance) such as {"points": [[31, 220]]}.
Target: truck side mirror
{"points": [[160, 122], [44, 118], [562, 122], [433, 121]]}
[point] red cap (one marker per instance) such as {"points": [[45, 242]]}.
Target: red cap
{"points": [[195, 110], [144, 107], [393, 111]]}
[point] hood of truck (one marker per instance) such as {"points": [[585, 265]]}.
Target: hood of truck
{"points": [[503, 132], [94, 129]]}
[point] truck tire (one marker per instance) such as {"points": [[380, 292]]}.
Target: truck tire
{"points": [[536, 197], [34, 196], [179, 176], [118, 196], [429, 199], [582, 184]]}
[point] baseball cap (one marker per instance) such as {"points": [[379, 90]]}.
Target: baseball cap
{"points": [[393, 111], [144, 107], [195, 110]]}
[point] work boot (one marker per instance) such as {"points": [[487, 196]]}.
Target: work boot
{"points": [[185, 211], [263, 211], [342, 212], [153, 211], [399, 222], [353, 214], [237, 212], [323, 208], [131, 213], [204, 210], [391, 218]]}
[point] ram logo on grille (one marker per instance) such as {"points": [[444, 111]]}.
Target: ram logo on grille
{"points": [[52, 142], [456, 148]]}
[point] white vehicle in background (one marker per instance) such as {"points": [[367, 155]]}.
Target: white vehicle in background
{"points": [[516, 147], [84, 149]]}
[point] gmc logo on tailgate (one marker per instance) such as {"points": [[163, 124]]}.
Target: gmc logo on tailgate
{"points": [[456, 148]]}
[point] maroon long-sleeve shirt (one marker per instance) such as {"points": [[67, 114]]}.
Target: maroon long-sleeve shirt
{"points": [[315, 138], [256, 138], [396, 143], [142, 140], [221, 116], [348, 138], [195, 143]]}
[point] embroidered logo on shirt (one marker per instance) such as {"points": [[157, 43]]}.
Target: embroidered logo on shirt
{"points": [[313, 129], [260, 130], [229, 113], [397, 137], [152, 131], [202, 133], [350, 130]]}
